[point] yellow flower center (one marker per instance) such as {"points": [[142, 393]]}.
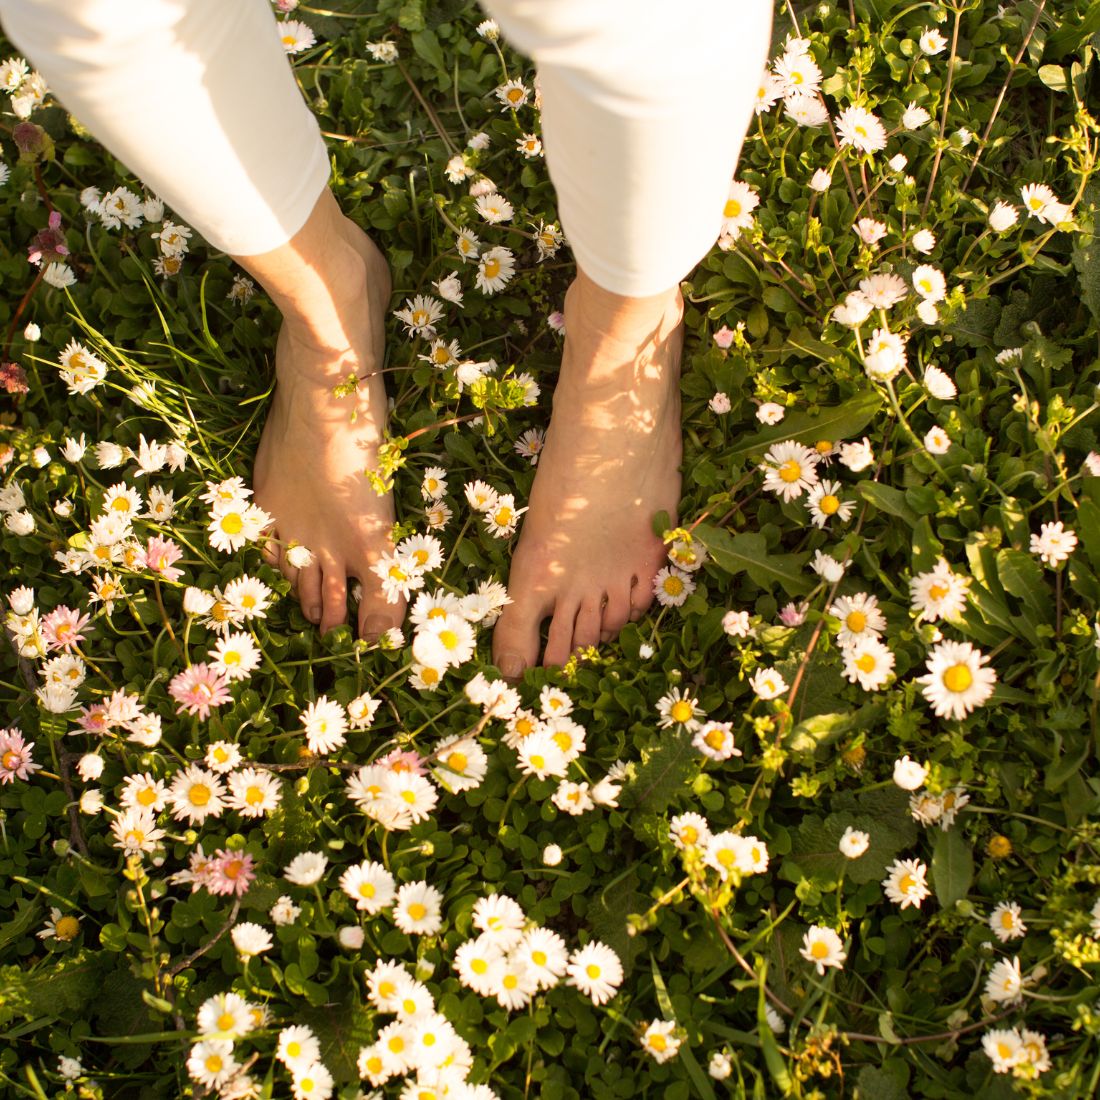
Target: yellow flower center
{"points": [[66, 928], [823, 446], [288, 40], [673, 586], [1008, 921], [199, 795], [515, 95], [538, 761], [232, 524], [213, 1063], [254, 796], [396, 1044], [524, 726], [958, 678], [11, 760], [563, 740], [429, 676], [220, 755], [457, 762], [449, 639], [865, 663], [135, 837], [819, 949], [732, 208], [503, 516], [510, 981], [726, 857], [906, 883], [538, 958], [715, 739], [790, 471], [829, 504], [856, 622], [226, 1021], [479, 966], [367, 890], [233, 868], [417, 911], [120, 504], [408, 1006], [681, 711], [398, 574], [593, 971], [689, 834]]}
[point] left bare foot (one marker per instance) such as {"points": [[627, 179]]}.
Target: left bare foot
{"points": [[587, 554]]}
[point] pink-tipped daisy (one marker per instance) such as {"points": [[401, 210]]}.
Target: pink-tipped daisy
{"points": [[198, 689]]}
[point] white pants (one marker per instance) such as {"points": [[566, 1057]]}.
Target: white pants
{"points": [[644, 107]]}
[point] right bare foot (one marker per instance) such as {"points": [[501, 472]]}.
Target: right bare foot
{"points": [[309, 471]]}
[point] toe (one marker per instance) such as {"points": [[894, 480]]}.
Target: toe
{"points": [[516, 637], [559, 641], [616, 613], [641, 598], [309, 591], [272, 551], [334, 594], [376, 615], [586, 630]]}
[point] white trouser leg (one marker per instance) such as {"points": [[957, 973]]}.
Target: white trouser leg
{"points": [[196, 97], [645, 104]]}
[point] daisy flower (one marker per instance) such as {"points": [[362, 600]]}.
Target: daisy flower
{"points": [[672, 586], [478, 963], [433, 485], [442, 354], [306, 869], [234, 523], [512, 94], [417, 909], [869, 663], [939, 593], [884, 355], [1054, 543], [957, 680], [741, 201], [767, 683], [905, 882], [1005, 1049], [136, 831], [689, 831], [1003, 216], [540, 755], [419, 315], [369, 885], [15, 756], [196, 794], [467, 245], [462, 764], [715, 740], [361, 711], [230, 873], [235, 656], [227, 1015], [824, 502], [1005, 982], [251, 939], [790, 469], [494, 208], [931, 41], [596, 971], [252, 792], [325, 724], [823, 947], [501, 520], [63, 628], [298, 1047], [680, 708], [198, 689], [860, 129], [659, 1041], [211, 1062], [883, 290], [939, 384], [797, 72], [859, 618], [768, 92], [495, 269], [929, 283], [530, 444], [853, 843], [805, 109], [1005, 921]]}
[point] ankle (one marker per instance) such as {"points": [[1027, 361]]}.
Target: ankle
{"points": [[591, 309]]}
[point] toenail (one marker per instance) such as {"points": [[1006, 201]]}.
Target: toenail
{"points": [[511, 667], [375, 626], [313, 613]]}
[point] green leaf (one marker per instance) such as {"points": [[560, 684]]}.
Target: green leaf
{"points": [[662, 774], [1086, 250], [1054, 77], [841, 422], [1022, 576], [748, 552], [889, 500], [952, 867]]}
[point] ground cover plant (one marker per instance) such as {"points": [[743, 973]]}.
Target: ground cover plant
{"points": [[823, 824]]}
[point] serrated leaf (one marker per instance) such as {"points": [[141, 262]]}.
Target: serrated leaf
{"points": [[952, 867], [748, 552], [661, 776], [841, 422]]}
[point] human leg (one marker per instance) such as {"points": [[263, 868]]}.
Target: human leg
{"points": [[642, 124], [196, 97]]}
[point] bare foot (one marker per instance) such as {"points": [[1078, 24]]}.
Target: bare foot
{"points": [[587, 554], [315, 446]]}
